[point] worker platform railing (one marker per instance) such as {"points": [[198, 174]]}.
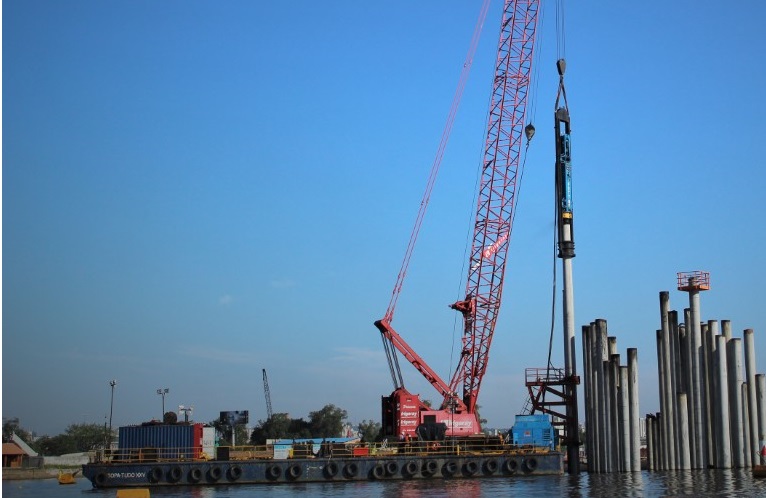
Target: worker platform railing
{"points": [[693, 280], [543, 376]]}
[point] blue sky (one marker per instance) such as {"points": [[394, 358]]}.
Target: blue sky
{"points": [[194, 191]]}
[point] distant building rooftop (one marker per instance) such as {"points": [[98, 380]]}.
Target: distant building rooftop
{"points": [[12, 449]]}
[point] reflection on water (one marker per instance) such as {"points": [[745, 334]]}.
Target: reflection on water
{"points": [[735, 483], [669, 483]]}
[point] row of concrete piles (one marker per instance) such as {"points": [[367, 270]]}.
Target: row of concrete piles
{"points": [[612, 425], [712, 414]]}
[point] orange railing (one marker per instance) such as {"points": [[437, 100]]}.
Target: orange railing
{"points": [[693, 280]]}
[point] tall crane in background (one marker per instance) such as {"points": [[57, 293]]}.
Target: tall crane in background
{"points": [[404, 412], [267, 393]]}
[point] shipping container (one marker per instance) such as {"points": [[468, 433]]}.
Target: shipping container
{"points": [[208, 441], [160, 441]]}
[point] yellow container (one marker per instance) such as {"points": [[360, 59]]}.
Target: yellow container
{"points": [[133, 493]]}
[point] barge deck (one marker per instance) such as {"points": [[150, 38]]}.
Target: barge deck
{"points": [[373, 463]]}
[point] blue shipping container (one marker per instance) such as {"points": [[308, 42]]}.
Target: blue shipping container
{"points": [[162, 440]]}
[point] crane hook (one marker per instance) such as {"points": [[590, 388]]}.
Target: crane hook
{"points": [[529, 131]]}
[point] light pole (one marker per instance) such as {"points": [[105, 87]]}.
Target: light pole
{"points": [[163, 392], [111, 410], [186, 410]]}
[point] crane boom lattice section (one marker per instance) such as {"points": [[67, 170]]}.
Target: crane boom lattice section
{"points": [[267, 394], [497, 194]]}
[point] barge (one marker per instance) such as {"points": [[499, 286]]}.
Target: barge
{"points": [[143, 467]]}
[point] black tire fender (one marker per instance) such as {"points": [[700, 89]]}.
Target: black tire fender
{"points": [[490, 467], [351, 470], [155, 475], [195, 474], [511, 466], [294, 471], [392, 468], [378, 472], [411, 468], [449, 468], [471, 467], [273, 472], [430, 467], [531, 464], [331, 469], [235, 472], [175, 474], [100, 479], [215, 473]]}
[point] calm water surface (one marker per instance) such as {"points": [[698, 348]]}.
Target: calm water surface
{"points": [[736, 483]]}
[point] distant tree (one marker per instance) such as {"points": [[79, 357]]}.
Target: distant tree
{"points": [[76, 439], [482, 421], [220, 427], [10, 426], [224, 430], [170, 418], [327, 422], [298, 429], [369, 430], [86, 437], [241, 431], [274, 428], [55, 446], [258, 436]]}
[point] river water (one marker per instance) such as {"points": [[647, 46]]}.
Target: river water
{"points": [[734, 483]]}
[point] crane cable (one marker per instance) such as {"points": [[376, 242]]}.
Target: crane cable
{"points": [[561, 42], [437, 160]]}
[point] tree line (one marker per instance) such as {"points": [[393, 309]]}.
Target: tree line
{"points": [[326, 422]]}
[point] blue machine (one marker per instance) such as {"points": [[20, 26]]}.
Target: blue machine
{"points": [[534, 430]]}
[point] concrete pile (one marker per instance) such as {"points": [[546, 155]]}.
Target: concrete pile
{"points": [[712, 411]]}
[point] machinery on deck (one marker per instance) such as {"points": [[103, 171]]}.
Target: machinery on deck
{"points": [[404, 412]]}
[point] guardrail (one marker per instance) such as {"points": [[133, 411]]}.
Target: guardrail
{"points": [[317, 450]]}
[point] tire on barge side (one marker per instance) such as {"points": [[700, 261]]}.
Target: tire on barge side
{"points": [[195, 474], [470, 468], [331, 470], [215, 473], [235, 472], [351, 470], [449, 468], [273, 472], [294, 471], [155, 475], [430, 468], [378, 471], [175, 474], [490, 467], [410, 468], [510, 466]]}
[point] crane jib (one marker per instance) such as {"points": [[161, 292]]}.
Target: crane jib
{"points": [[496, 202], [496, 199]]}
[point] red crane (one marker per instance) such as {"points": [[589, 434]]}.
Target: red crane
{"points": [[403, 412]]}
